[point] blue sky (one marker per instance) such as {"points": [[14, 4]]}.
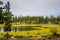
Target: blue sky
{"points": [[34, 7]]}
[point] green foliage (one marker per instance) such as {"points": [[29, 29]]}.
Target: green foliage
{"points": [[46, 19], [1, 16], [37, 20], [6, 17], [38, 33], [53, 30], [8, 21]]}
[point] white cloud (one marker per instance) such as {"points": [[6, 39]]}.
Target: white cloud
{"points": [[35, 7]]}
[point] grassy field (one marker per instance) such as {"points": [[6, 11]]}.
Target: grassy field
{"points": [[41, 30]]}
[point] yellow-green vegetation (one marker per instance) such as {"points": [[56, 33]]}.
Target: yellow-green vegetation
{"points": [[44, 30], [1, 25], [35, 25], [43, 25]]}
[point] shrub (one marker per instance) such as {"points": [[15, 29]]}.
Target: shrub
{"points": [[38, 33], [54, 31]]}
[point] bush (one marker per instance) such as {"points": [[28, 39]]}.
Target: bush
{"points": [[54, 31], [38, 33]]}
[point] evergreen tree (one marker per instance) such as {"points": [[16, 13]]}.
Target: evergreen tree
{"points": [[46, 19], [1, 16]]}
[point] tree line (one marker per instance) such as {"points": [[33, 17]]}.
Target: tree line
{"points": [[36, 19], [4, 16], [29, 19]]}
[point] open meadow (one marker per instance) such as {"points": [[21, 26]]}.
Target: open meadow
{"points": [[33, 30]]}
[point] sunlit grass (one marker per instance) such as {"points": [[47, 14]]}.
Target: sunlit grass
{"points": [[44, 30]]}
